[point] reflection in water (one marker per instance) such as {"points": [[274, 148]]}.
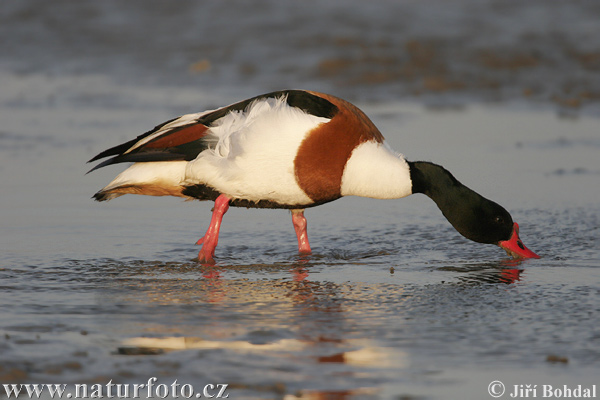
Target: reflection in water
{"points": [[226, 300], [189, 343], [506, 271], [333, 394], [321, 327], [290, 319], [365, 355], [214, 289]]}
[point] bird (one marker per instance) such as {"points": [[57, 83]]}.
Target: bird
{"points": [[292, 149]]}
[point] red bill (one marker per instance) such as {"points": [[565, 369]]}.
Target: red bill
{"points": [[515, 247]]}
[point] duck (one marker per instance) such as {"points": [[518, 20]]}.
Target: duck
{"points": [[292, 149]]}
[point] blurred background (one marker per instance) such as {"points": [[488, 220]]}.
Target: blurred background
{"points": [[435, 52]]}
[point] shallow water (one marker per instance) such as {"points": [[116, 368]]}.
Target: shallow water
{"points": [[392, 304]]}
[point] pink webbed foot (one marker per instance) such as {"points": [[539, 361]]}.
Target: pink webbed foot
{"points": [[300, 227], [206, 256], [211, 238]]}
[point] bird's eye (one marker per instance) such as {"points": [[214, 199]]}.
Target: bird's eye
{"points": [[499, 220]]}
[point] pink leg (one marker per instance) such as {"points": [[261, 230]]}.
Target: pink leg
{"points": [[300, 227], [211, 238]]}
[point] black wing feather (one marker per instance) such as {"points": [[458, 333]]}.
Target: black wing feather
{"points": [[310, 103], [141, 157], [125, 146]]}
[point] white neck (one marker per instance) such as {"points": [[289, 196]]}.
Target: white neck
{"points": [[374, 170]]}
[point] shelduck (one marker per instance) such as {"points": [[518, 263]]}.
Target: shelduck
{"points": [[292, 149]]}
